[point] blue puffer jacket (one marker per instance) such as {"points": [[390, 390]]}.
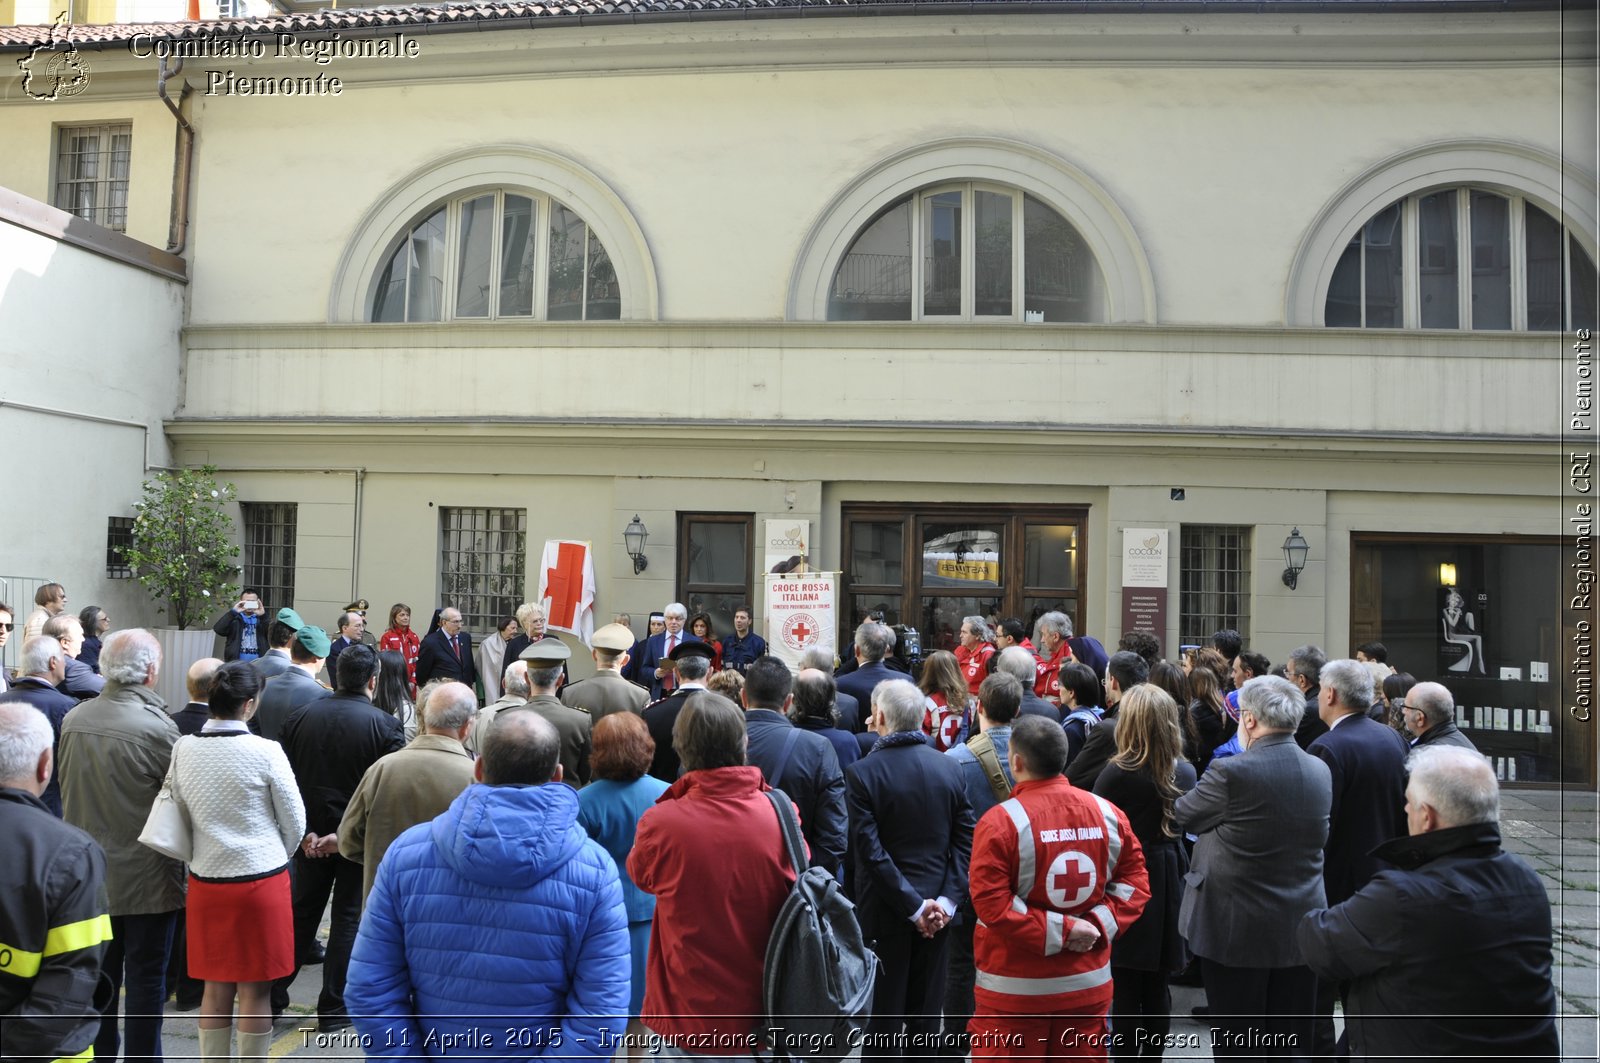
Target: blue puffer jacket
{"points": [[495, 931]]}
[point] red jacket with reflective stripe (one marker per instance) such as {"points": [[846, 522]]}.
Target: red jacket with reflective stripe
{"points": [[1051, 855]]}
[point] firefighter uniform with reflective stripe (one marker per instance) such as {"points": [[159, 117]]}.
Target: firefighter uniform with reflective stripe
{"points": [[53, 932], [1048, 857]]}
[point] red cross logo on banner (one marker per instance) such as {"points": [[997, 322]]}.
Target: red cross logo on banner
{"points": [[800, 631]]}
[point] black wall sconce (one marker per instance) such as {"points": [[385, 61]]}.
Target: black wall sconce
{"points": [[1295, 549], [634, 537]]}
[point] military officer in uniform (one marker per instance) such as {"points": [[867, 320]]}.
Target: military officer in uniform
{"points": [[546, 660], [692, 662], [607, 691]]}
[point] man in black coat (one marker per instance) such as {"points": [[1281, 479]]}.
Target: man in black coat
{"points": [[284, 695], [872, 645], [447, 652], [801, 764], [1429, 712], [1304, 670], [1367, 761], [243, 628], [1446, 954], [1125, 669], [692, 664], [280, 633], [910, 839], [43, 665], [331, 743]]}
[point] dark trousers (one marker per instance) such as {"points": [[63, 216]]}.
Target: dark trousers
{"points": [[1141, 1013], [313, 880], [910, 989], [188, 989], [958, 983], [1260, 1012], [1323, 1044], [135, 962]]}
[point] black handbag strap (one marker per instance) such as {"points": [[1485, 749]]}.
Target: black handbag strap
{"points": [[791, 830], [783, 757]]}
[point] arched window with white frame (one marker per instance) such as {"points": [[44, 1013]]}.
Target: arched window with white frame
{"points": [[496, 254], [968, 251], [1463, 257]]}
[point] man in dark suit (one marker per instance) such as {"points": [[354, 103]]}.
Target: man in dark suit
{"points": [[653, 668], [284, 695], [800, 763], [194, 715], [43, 665], [1262, 819], [1367, 762], [910, 838], [352, 625], [1304, 670], [1125, 669], [447, 652], [280, 633], [331, 744], [872, 645], [691, 662]]}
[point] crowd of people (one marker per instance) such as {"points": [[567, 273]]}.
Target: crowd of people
{"points": [[1038, 837]]}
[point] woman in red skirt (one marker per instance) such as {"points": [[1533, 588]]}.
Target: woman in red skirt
{"points": [[245, 810]]}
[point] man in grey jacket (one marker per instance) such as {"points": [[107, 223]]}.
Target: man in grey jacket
{"points": [[115, 750], [1262, 820]]}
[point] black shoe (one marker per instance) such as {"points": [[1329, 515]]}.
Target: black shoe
{"points": [[332, 1023], [1200, 1012], [315, 955], [187, 1002]]}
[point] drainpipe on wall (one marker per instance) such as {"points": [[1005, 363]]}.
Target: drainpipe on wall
{"points": [[355, 538], [182, 160]]}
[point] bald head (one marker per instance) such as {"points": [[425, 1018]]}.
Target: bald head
{"points": [[522, 748], [449, 709], [1433, 701], [516, 680], [202, 674]]}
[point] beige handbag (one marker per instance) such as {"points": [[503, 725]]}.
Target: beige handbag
{"points": [[167, 829]]}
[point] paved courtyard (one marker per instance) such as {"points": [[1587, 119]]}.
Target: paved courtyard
{"points": [[1555, 831]]}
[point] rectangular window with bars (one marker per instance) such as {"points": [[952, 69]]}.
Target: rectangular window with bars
{"points": [[269, 539], [1214, 585], [119, 537], [482, 563], [92, 172]]}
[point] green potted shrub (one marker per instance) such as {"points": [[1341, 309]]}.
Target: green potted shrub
{"points": [[185, 556]]}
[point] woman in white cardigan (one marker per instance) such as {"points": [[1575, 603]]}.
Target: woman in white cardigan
{"points": [[245, 809]]}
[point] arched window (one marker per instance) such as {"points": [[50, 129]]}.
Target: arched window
{"points": [[965, 252], [498, 254], [1463, 258]]}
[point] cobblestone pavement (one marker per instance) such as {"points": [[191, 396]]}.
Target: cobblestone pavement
{"points": [[1555, 831]]}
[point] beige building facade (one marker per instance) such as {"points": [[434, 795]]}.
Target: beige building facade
{"points": [[531, 281]]}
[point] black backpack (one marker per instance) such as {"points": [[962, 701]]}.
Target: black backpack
{"points": [[817, 980]]}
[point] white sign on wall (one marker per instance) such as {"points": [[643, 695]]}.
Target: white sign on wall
{"points": [[1144, 557], [800, 615], [785, 543]]}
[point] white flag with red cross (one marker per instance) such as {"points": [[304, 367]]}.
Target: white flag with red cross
{"points": [[566, 587]]}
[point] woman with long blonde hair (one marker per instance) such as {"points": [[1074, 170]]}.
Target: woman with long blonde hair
{"points": [[945, 697], [1145, 777]]}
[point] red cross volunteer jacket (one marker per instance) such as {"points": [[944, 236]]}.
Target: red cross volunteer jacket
{"points": [[1051, 855]]}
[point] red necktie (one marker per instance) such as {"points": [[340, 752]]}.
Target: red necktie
{"points": [[669, 682], [455, 648]]}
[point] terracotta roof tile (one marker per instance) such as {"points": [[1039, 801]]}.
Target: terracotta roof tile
{"points": [[401, 16]]}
